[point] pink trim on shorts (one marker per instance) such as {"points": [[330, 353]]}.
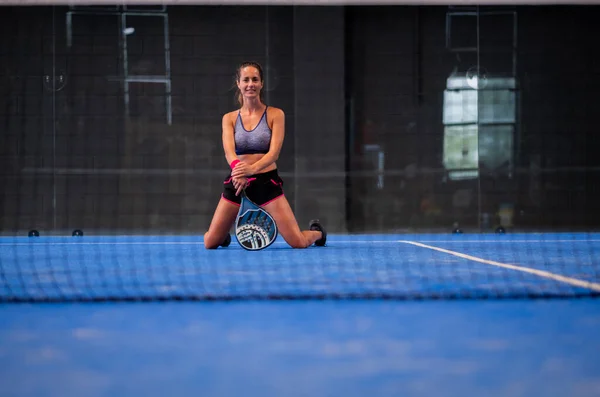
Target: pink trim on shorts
{"points": [[270, 201], [229, 201]]}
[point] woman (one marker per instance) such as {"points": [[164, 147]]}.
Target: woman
{"points": [[252, 140]]}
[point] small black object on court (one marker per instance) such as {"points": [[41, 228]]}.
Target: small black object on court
{"points": [[77, 233], [227, 241], [34, 233], [500, 230], [456, 228]]}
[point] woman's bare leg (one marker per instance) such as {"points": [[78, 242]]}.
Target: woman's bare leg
{"points": [[287, 224], [221, 223]]}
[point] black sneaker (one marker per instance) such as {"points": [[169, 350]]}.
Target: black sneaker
{"points": [[316, 225], [227, 241]]}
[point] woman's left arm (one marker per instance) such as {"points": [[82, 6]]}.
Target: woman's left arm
{"points": [[277, 135]]}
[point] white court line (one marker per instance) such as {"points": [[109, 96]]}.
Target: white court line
{"points": [[200, 242], [541, 273], [509, 241], [110, 243]]}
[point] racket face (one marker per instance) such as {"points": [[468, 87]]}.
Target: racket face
{"points": [[255, 229]]}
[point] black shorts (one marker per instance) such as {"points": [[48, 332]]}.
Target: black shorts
{"points": [[261, 189]]}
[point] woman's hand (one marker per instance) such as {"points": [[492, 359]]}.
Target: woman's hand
{"points": [[239, 183], [242, 170]]}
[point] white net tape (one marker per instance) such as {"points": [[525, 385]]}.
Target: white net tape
{"points": [[292, 2]]}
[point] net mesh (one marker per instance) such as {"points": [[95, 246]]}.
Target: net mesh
{"points": [[449, 152], [352, 267]]}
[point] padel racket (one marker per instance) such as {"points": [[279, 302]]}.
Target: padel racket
{"points": [[255, 229]]}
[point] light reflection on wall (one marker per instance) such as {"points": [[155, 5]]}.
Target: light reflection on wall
{"points": [[479, 119]]}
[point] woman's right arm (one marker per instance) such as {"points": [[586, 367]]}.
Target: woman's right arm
{"points": [[229, 146], [228, 139]]}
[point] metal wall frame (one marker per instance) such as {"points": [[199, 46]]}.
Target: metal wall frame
{"points": [[122, 13]]}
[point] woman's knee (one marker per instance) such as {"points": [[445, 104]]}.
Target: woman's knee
{"points": [[210, 242], [298, 242]]}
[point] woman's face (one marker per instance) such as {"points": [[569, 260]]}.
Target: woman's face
{"points": [[250, 83]]}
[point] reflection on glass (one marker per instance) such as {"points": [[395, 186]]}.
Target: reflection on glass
{"points": [[478, 124]]}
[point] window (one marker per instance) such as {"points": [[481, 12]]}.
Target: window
{"points": [[479, 122]]}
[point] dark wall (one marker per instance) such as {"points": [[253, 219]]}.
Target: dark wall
{"points": [[320, 140], [26, 115], [399, 66], [560, 74], [72, 155]]}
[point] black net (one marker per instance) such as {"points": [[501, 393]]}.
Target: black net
{"points": [[449, 152]]}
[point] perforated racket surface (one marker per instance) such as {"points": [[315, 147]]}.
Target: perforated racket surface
{"points": [[255, 229]]}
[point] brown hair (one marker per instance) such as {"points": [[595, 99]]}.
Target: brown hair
{"points": [[239, 95]]}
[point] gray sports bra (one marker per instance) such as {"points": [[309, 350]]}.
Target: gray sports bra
{"points": [[257, 140]]}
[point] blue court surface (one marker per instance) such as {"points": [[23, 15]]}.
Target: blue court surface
{"points": [[476, 346]]}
